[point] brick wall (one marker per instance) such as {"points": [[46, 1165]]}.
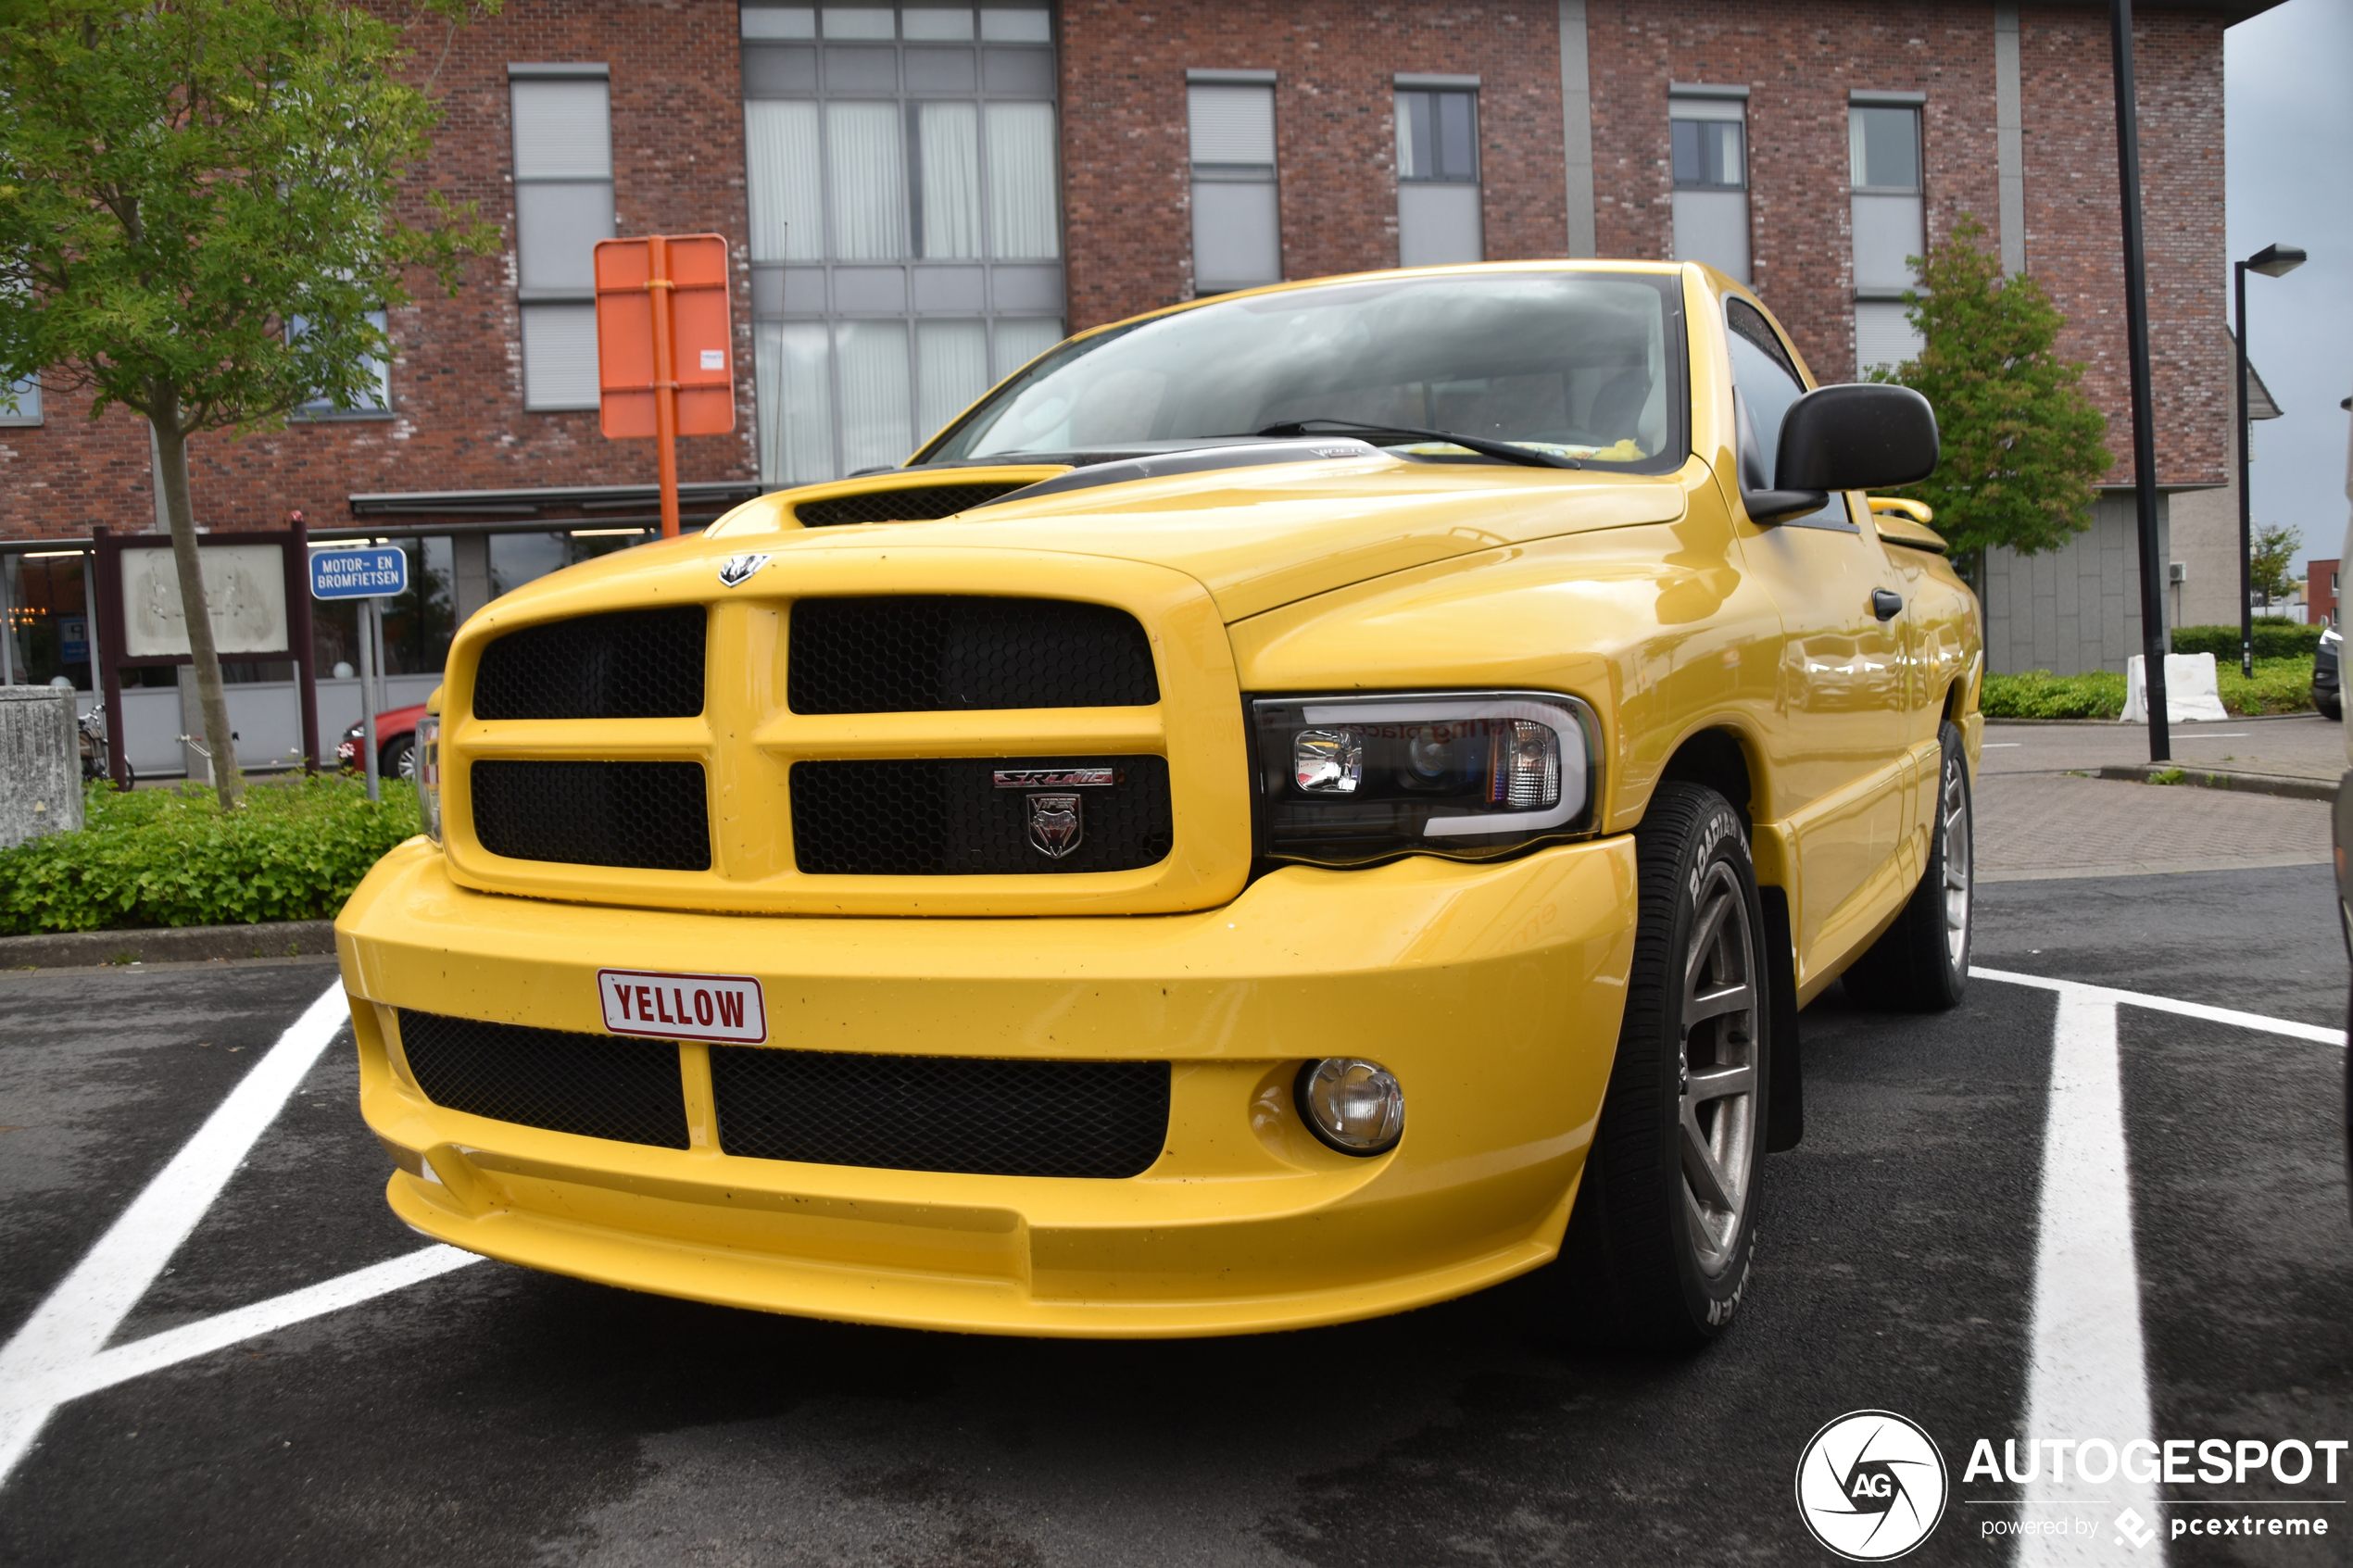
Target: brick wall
{"points": [[2074, 238], [457, 379], [1127, 177]]}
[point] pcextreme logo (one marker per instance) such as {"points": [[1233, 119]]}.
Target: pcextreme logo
{"points": [[1871, 1485]]}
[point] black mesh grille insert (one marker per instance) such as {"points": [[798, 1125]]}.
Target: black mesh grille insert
{"points": [[945, 817], [593, 1085], [981, 1118], [647, 814], [925, 653], [919, 503], [636, 664]]}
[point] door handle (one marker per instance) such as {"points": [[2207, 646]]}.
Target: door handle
{"points": [[1886, 603]]}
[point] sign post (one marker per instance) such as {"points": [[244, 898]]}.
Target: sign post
{"points": [[663, 335], [363, 575]]}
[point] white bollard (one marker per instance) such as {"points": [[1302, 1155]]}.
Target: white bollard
{"points": [[40, 763]]}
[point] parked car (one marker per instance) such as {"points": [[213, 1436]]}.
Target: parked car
{"points": [[2326, 695], [1295, 806], [396, 742]]}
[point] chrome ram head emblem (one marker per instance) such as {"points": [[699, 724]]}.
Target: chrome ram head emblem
{"points": [[738, 570], [1056, 823]]}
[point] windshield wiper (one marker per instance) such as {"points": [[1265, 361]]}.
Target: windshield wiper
{"points": [[1525, 457]]}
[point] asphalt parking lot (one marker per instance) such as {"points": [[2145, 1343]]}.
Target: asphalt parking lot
{"points": [[1922, 1253]]}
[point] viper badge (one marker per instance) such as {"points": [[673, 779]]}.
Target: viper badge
{"points": [[1055, 824], [737, 569]]}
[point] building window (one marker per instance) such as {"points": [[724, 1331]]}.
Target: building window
{"points": [[1883, 145], [20, 404], [376, 401], [1708, 130], [1237, 228], [1438, 200], [906, 222], [563, 205]]}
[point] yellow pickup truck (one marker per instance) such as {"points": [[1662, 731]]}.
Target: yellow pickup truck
{"points": [[1292, 808]]}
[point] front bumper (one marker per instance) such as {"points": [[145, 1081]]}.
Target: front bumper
{"points": [[1493, 992]]}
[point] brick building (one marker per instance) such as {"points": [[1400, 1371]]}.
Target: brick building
{"points": [[922, 196]]}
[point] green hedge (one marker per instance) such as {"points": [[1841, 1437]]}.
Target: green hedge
{"points": [[2280, 685], [169, 857], [2274, 638]]}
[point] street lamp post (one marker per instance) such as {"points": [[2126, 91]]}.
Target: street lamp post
{"points": [[2273, 261]]}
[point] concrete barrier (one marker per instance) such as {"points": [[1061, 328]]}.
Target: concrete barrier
{"points": [[39, 765]]}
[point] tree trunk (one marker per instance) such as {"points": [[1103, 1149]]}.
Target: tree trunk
{"points": [[172, 478]]}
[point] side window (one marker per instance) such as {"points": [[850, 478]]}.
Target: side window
{"points": [[1765, 384]]}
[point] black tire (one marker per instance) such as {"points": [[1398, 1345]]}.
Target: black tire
{"points": [[1648, 1260], [2332, 708], [1920, 964], [394, 759]]}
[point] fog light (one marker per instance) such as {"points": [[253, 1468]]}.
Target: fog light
{"points": [[1353, 1105]]}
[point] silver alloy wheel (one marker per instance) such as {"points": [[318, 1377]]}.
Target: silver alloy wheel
{"points": [[1718, 1081], [407, 768], [1959, 867]]}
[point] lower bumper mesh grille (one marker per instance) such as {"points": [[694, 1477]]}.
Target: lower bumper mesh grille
{"points": [[968, 1116], [593, 1085]]}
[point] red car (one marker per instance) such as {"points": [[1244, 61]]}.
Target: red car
{"points": [[396, 742]]}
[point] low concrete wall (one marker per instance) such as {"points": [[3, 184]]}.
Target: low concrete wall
{"points": [[39, 765]]}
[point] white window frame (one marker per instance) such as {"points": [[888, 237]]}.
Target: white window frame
{"points": [[1709, 219], [1441, 219], [1880, 327], [27, 413], [1209, 176]]}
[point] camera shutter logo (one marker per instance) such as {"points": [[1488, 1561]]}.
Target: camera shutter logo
{"points": [[1871, 1485]]}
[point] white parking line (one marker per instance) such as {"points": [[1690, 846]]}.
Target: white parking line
{"points": [[61, 1345], [2317, 1033], [2088, 1377]]}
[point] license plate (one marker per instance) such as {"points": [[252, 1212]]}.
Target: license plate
{"points": [[722, 1007]]}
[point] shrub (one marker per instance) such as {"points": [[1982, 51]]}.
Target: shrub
{"points": [[2274, 638], [2280, 685], [171, 857]]}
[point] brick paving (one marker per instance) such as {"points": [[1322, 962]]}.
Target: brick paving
{"points": [[2036, 819]]}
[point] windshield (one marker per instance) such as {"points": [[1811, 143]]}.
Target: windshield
{"points": [[1585, 364]]}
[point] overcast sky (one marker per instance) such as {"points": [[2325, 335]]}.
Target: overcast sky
{"points": [[2289, 77]]}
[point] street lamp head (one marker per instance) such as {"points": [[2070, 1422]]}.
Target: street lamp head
{"points": [[2275, 261]]}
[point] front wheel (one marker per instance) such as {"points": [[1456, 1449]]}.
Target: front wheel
{"points": [[397, 759], [1921, 964], [1660, 1242]]}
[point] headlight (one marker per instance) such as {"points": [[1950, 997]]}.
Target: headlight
{"points": [[428, 747], [1345, 781]]}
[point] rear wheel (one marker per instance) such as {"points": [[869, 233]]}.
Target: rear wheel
{"points": [[1659, 1245], [1921, 964]]}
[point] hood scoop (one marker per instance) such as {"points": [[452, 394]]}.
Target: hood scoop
{"points": [[917, 503]]}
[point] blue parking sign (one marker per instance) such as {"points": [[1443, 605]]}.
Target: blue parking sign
{"points": [[358, 574]]}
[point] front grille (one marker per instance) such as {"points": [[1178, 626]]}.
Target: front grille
{"points": [[973, 1117], [945, 817], [918, 504], [647, 814], [593, 1085], [929, 653], [636, 664]]}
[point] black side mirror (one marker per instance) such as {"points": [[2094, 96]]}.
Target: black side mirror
{"points": [[1866, 435]]}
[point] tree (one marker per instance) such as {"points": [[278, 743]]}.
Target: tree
{"points": [[2022, 445], [198, 209], [2273, 557]]}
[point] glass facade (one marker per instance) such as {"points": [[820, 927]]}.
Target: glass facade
{"points": [[906, 225]]}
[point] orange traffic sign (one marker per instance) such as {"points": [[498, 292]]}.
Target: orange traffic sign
{"points": [[663, 343], [702, 345]]}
